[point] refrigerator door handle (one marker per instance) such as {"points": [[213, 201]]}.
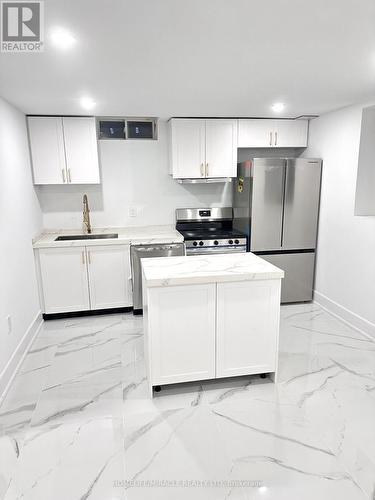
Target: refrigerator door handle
{"points": [[283, 207]]}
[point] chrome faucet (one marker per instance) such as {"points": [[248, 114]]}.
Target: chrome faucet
{"points": [[86, 215]]}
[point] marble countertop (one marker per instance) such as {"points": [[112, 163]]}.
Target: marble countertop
{"points": [[165, 271], [126, 235]]}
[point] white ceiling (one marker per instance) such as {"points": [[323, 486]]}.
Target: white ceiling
{"points": [[199, 58]]}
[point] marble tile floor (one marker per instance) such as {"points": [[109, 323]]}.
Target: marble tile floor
{"points": [[77, 423]]}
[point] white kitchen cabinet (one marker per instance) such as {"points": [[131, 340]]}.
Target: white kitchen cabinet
{"points": [[182, 333], [109, 276], [203, 149], [64, 150], [291, 133], [188, 148], [64, 279], [47, 149], [255, 133], [81, 150], [84, 278], [272, 133], [214, 330], [247, 326], [221, 148]]}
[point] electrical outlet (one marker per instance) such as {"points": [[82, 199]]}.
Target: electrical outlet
{"points": [[9, 323], [133, 212]]}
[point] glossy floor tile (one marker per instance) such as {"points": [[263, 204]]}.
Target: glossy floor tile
{"points": [[78, 422]]}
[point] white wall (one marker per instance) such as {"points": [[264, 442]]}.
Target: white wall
{"points": [[20, 221], [134, 174], [345, 274]]}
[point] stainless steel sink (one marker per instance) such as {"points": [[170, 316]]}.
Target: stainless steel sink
{"points": [[87, 237]]}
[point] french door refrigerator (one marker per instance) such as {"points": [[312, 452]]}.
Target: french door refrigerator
{"points": [[276, 204]]}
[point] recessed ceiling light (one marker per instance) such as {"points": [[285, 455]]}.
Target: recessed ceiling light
{"points": [[62, 39], [87, 103], [278, 107]]}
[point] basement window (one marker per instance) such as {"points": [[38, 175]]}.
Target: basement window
{"points": [[111, 129], [127, 128]]}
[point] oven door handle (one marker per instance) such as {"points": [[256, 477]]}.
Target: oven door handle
{"points": [[213, 250]]}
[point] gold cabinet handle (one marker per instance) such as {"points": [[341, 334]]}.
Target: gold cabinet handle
{"points": [[270, 138], [83, 257], [202, 170], [63, 174], [69, 178], [275, 138], [207, 171]]}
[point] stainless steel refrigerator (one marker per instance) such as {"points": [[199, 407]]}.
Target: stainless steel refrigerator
{"points": [[276, 203]]}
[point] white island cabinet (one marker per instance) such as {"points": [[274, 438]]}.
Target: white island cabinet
{"points": [[209, 317]]}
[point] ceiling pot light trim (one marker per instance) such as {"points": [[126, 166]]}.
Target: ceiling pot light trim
{"points": [[62, 38], [278, 107], [87, 103]]}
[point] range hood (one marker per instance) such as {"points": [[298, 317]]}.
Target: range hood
{"points": [[204, 181]]}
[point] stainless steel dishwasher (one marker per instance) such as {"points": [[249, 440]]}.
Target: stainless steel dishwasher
{"points": [[138, 252]]}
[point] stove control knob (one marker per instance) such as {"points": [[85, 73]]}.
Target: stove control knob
{"points": [[230, 242], [236, 242], [201, 243], [216, 242], [195, 243]]}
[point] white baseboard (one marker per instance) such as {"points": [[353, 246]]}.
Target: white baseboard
{"points": [[346, 315], [13, 365]]}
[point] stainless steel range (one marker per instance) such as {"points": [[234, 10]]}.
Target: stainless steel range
{"points": [[209, 231]]}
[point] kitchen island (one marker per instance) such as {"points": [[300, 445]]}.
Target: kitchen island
{"points": [[210, 316]]}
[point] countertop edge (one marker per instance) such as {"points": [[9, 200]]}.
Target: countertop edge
{"points": [[105, 242], [131, 235], [160, 283]]}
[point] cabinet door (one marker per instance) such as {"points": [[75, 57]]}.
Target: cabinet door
{"points": [[247, 327], [81, 150], [64, 279], [109, 276], [291, 133], [221, 148], [181, 326], [187, 148], [256, 133], [47, 149]]}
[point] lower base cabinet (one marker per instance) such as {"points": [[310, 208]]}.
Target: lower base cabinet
{"points": [[84, 278], [109, 276], [64, 280], [182, 333], [215, 330], [247, 328]]}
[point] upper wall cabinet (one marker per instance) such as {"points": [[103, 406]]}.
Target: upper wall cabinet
{"points": [[272, 133], [203, 149], [64, 150]]}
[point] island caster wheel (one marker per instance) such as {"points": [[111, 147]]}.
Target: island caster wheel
{"points": [[157, 388], [263, 375]]}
